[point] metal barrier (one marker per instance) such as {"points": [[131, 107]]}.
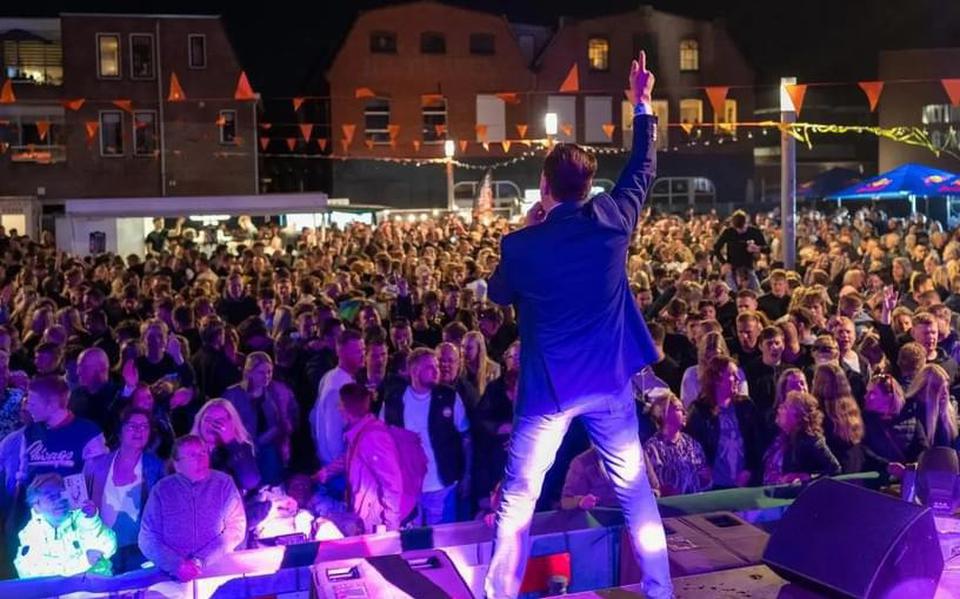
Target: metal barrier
{"points": [[591, 538]]}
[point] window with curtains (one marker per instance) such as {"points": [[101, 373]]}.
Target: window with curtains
{"points": [[727, 121], [691, 111], [108, 56], [33, 61]]}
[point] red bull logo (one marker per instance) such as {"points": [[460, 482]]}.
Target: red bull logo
{"points": [[876, 185]]}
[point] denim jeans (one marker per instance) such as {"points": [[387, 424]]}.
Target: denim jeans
{"points": [[612, 425], [439, 507]]}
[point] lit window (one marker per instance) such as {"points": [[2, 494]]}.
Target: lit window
{"points": [[108, 56], [228, 126], [689, 55], [598, 54], [691, 111]]}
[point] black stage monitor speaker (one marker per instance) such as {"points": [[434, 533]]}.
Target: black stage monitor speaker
{"points": [[844, 540]]}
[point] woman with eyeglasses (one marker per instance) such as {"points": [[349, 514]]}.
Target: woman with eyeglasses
{"points": [[119, 482], [891, 432], [727, 426]]}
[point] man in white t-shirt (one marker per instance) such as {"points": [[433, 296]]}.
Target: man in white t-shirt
{"points": [[436, 413], [326, 422]]}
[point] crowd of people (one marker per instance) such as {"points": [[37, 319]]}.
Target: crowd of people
{"points": [[174, 408]]}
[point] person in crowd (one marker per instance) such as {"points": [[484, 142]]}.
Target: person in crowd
{"points": [[727, 426], [268, 411], [326, 424], [59, 541], [800, 450], [192, 517], [764, 372], [372, 464], [890, 431], [481, 370], [436, 413], [96, 395], [929, 395], [677, 460], [214, 370], [118, 484], [711, 344]]}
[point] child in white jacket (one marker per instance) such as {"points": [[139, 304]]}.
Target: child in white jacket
{"points": [[58, 541]]}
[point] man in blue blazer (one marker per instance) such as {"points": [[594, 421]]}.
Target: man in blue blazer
{"points": [[581, 339]]}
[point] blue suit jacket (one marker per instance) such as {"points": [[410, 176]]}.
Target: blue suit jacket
{"points": [[580, 330]]}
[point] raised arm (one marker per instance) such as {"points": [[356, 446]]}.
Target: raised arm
{"points": [[636, 178]]}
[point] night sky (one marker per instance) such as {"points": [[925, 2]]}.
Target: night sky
{"points": [[288, 46]]}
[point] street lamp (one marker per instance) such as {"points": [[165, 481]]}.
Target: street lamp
{"points": [[550, 124], [449, 148]]}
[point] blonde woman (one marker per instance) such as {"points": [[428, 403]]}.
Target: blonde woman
{"points": [[481, 370], [711, 344], [229, 443], [929, 395], [268, 412]]}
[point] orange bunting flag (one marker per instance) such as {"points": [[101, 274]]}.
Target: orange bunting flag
{"points": [[394, 131], [572, 82], [873, 89], [567, 129], [6, 93], [306, 129], [264, 142], [687, 127], [427, 98], [43, 127], [393, 143], [441, 130], [75, 104], [322, 143], [368, 143], [176, 91], [363, 92], [266, 126], [244, 91], [486, 146], [463, 145], [509, 97], [221, 121], [608, 129], [297, 103], [348, 130], [345, 144], [505, 144], [416, 145], [92, 127], [124, 105], [522, 130], [481, 132], [797, 91], [717, 95], [951, 86], [291, 143]]}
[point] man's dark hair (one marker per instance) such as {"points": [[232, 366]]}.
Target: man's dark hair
{"points": [[739, 219], [657, 332], [569, 170], [347, 336]]}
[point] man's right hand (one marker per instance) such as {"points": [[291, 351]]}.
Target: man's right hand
{"points": [[588, 502], [641, 81], [187, 571]]}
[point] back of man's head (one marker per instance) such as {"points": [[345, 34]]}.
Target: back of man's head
{"points": [[568, 170]]}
